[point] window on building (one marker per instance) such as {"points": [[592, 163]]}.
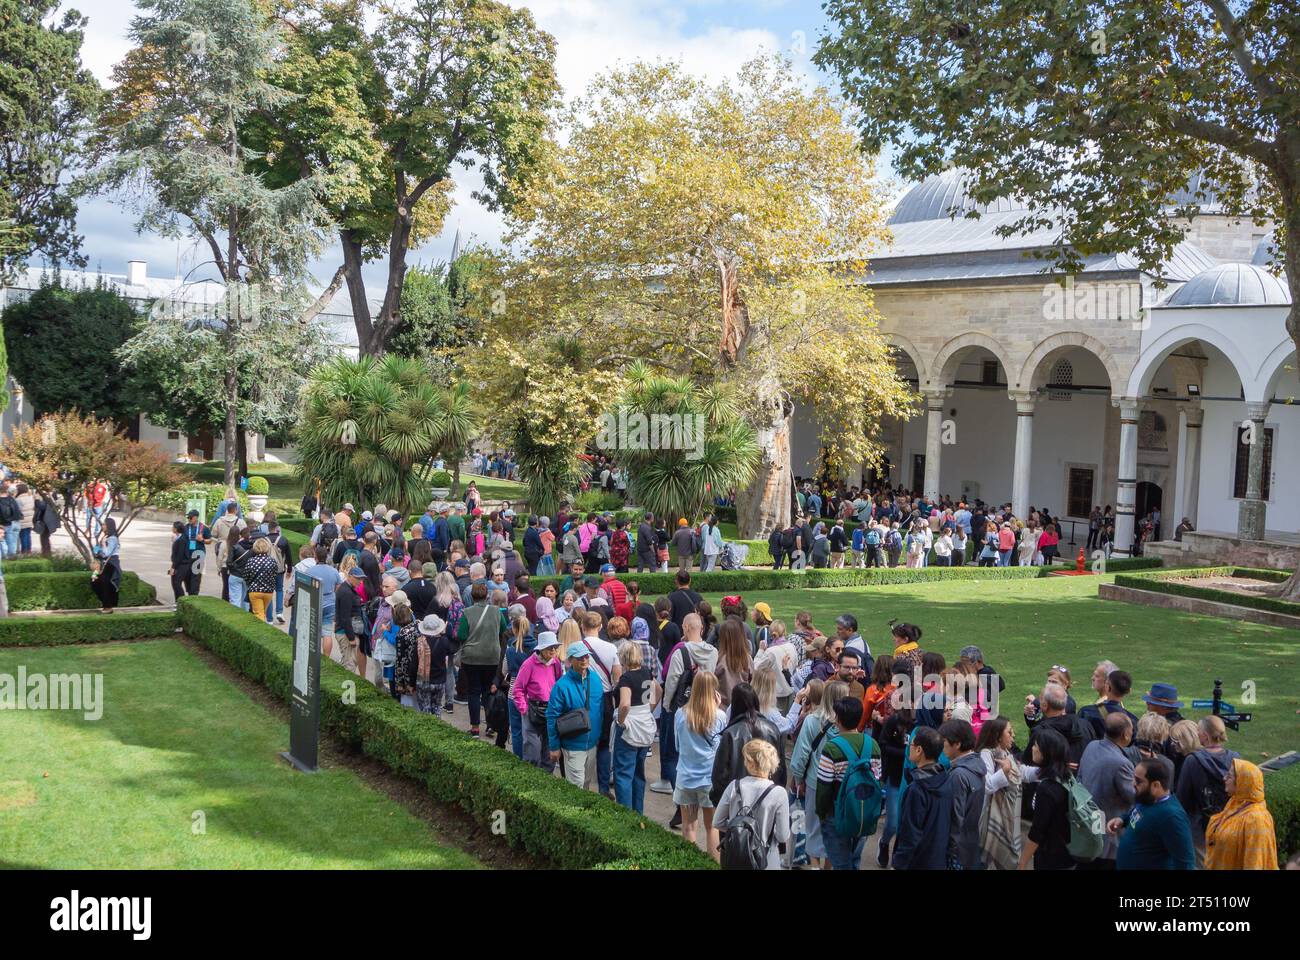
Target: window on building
{"points": [[1062, 375], [1153, 431], [173, 434], [989, 373], [1079, 494], [1242, 466]]}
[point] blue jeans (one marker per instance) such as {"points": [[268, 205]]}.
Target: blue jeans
{"points": [[629, 772], [238, 592], [516, 730], [893, 795], [667, 748], [1004, 558], [11, 540], [25, 540], [278, 606], [844, 854]]}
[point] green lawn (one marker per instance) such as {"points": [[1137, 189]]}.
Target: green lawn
{"points": [[493, 489], [175, 738], [1026, 626], [279, 476]]}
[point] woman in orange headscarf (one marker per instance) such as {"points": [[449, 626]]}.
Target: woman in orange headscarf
{"points": [[1241, 836]]}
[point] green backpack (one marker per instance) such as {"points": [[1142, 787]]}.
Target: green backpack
{"points": [[1087, 823], [859, 800]]}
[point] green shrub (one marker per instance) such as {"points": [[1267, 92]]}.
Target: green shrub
{"points": [[71, 591], [728, 581], [440, 479], [258, 487], [1161, 583], [50, 631], [1282, 794], [284, 509], [545, 815], [54, 563], [597, 501]]}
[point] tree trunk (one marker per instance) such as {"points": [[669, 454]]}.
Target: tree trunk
{"points": [[242, 445], [765, 504], [352, 264], [455, 478]]}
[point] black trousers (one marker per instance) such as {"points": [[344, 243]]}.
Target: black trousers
{"points": [[104, 589], [178, 585]]}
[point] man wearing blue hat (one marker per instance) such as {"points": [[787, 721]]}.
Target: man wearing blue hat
{"points": [[574, 718], [1163, 699]]}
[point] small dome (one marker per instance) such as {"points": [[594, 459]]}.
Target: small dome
{"points": [[1231, 285], [944, 196]]}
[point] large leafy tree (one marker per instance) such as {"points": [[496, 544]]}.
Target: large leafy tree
{"points": [[393, 96], [173, 136], [370, 430], [434, 321], [691, 226], [1095, 113], [62, 345], [46, 100], [176, 366]]}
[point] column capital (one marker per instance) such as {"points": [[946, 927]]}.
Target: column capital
{"points": [[1194, 413], [1129, 407], [1257, 410], [935, 397], [1025, 400]]}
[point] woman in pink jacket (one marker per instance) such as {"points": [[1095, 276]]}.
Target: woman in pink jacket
{"points": [[531, 693]]}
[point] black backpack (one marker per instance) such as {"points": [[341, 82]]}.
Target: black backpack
{"points": [[683, 691], [329, 532], [787, 539], [1214, 795], [742, 847]]}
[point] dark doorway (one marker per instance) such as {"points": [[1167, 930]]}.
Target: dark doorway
{"points": [[918, 472], [1149, 497]]}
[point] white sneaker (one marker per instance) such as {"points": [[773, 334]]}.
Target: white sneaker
{"points": [[661, 786]]}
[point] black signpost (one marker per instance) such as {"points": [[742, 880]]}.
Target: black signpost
{"points": [[304, 719]]}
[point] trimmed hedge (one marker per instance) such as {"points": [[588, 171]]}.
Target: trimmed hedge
{"points": [[1160, 583], [545, 815], [726, 581], [85, 628], [54, 563], [1282, 794], [71, 591]]}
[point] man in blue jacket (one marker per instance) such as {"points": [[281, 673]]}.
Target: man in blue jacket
{"points": [[578, 689], [926, 818]]}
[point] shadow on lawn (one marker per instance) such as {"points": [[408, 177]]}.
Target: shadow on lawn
{"points": [[217, 751]]}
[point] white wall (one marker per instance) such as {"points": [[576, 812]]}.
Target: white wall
{"points": [[1217, 509]]}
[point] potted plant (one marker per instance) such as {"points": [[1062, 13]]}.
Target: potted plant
{"points": [[258, 493], [441, 481]]}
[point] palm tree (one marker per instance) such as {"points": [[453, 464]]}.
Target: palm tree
{"points": [[371, 428], [668, 478]]}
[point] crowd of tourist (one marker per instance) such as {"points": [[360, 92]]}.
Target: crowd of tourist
{"points": [[780, 746]]}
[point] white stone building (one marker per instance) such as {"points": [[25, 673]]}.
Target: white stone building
{"points": [[1107, 390]]}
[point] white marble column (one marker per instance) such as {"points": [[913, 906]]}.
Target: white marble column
{"points": [[934, 400], [1025, 400], [1126, 496], [1251, 512], [1191, 466]]}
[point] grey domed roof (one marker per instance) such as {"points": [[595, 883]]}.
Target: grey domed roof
{"points": [[1263, 255], [944, 196], [1231, 285]]}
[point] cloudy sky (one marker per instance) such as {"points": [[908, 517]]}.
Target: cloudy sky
{"points": [[710, 37]]}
